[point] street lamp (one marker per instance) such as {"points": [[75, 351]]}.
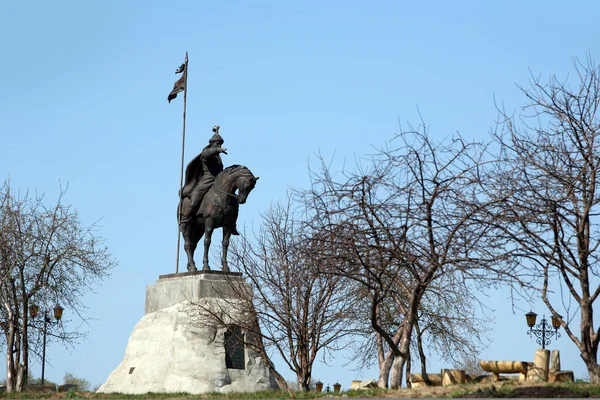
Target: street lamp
{"points": [[543, 331], [319, 386], [33, 312]]}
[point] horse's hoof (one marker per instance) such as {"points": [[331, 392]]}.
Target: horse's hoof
{"points": [[206, 268], [192, 268]]}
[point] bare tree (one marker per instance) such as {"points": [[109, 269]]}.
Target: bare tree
{"points": [[294, 311], [83, 385], [409, 216], [46, 253], [547, 187], [447, 325]]}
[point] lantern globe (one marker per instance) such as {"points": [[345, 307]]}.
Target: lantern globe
{"points": [[531, 316], [33, 310], [556, 319], [58, 311], [319, 386]]}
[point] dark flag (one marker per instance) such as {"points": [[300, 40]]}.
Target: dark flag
{"points": [[179, 86]]}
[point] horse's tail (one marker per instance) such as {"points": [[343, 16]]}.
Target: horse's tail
{"points": [[180, 208]]}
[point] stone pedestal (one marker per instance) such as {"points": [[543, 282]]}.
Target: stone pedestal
{"points": [[453, 377], [418, 380], [169, 352], [560, 376], [555, 360], [538, 370]]}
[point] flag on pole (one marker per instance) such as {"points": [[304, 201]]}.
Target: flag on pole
{"points": [[179, 86]]}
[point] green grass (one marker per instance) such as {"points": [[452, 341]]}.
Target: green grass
{"points": [[26, 395], [372, 392], [263, 395], [584, 389]]}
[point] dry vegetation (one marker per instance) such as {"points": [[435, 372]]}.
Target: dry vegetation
{"points": [[484, 390]]}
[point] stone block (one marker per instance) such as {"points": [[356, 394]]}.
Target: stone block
{"points": [[561, 376], [366, 384], [453, 377], [193, 286], [555, 360], [538, 370], [428, 380], [355, 385], [505, 367]]}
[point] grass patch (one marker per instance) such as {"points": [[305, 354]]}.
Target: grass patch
{"points": [[583, 387], [498, 389], [263, 395], [368, 392], [513, 389]]}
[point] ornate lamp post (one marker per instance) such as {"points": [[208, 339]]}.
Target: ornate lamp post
{"points": [[543, 331], [33, 312]]}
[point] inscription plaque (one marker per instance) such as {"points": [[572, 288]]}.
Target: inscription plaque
{"points": [[235, 357]]}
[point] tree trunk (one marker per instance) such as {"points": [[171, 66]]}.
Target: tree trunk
{"points": [[18, 366], [384, 371], [25, 340], [592, 365], [386, 361], [303, 382], [11, 375], [397, 372], [279, 378], [422, 356], [589, 346], [399, 360], [408, 367], [21, 377], [593, 371], [303, 370]]}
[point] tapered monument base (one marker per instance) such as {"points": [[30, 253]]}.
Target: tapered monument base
{"points": [[169, 351]]}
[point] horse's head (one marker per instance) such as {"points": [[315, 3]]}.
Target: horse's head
{"points": [[245, 184]]}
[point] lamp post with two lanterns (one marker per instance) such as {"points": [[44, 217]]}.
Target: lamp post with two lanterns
{"points": [[33, 312], [543, 331]]}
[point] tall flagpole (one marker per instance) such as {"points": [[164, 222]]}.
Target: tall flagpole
{"points": [[182, 157]]}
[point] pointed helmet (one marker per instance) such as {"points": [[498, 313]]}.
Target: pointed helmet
{"points": [[216, 138]]}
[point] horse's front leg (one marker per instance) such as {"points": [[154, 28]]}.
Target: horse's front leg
{"points": [[208, 231], [190, 241], [226, 236]]}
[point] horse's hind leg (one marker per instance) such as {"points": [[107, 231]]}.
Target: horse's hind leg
{"points": [[208, 231], [191, 242]]}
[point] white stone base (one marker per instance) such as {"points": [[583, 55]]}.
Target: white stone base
{"points": [[168, 353]]}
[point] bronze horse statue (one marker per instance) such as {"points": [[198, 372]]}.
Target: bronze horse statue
{"points": [[218, 209]]}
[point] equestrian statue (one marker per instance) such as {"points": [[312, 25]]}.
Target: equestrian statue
{"points": [[208, 200]]}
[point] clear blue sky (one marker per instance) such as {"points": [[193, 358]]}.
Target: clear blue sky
{"points": [[84, 89]]}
